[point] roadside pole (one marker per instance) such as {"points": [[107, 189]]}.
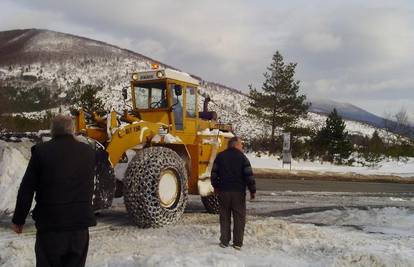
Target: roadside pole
{"points": [[286, 152]]}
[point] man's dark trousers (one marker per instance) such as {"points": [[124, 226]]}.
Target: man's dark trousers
{"points": [[62, 249], [232, 203]]}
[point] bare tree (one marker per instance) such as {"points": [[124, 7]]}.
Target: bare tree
{"points": [[403, 124], [389, 125]]}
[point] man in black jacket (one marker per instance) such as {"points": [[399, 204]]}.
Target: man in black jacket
{"points": [[230, 175], [61, 172]]}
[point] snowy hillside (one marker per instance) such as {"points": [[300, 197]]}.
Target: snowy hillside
{"points": [[45, 59]]}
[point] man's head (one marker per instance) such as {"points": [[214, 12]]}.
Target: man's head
{"points": [[62, 125], [235, 142]]}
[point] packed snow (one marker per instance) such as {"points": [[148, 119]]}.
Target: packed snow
{"points": [[351, 237]]}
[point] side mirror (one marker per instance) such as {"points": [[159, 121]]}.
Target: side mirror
{"points": [[125, 93], [178, 90]]}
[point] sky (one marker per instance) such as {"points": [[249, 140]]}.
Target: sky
{"points": [[359, 52]]}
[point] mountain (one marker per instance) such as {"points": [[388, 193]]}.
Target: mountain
{"points": [[38, 68], [352, 112], [346, 110], [35, 45]]}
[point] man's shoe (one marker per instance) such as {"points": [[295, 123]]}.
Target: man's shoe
{"points": [[223, 245], [237, 247]]}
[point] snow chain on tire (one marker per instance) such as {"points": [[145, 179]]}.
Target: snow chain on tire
{"points": [[211, 203], [104, 182], [141, 183]]}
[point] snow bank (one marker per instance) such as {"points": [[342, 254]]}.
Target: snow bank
{"points": [[13, 163], [387, 167]]}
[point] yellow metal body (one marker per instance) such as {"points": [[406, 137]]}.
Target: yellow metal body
{"points": [[140, 128]]}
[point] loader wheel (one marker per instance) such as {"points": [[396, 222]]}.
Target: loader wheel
{"points": [[104, 182], [211, 203], [155, 187]]}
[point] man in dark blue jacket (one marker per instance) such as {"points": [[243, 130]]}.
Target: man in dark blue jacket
{"points": [[230, 175], [61, 173]]}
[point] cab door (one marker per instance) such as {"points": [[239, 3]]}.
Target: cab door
{"points": [[177, 106], [191, 109]]}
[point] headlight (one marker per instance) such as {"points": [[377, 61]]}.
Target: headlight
{"points": [[135, 76], [160, 74]]}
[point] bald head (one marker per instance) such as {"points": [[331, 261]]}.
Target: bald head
{"points": [[235, 142], [62, 125]]}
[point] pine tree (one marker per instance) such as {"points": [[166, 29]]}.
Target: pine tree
{"points": [[279, 104], [85, 97], [375, 148], [375, 144], [332, 140]]}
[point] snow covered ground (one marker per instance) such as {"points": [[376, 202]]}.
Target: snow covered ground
{"points": [[335, 237], [283, 229], [386, 167]]}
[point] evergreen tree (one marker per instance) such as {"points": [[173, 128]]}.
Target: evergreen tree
{"points": [[375, 148], [332, 140], [279, 104], [85, 97], [375, 144]]}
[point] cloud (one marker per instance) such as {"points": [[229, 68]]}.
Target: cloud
{"points": [[321, 42], [151, 47]]}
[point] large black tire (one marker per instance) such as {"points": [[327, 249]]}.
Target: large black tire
{"points": [[211, 203], [104, 182], [142, 187]]}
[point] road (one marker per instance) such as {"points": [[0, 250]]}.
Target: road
{"points": [[331, 186]]}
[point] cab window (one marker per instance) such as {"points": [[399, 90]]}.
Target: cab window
{"points": [[150, 96], [177, 107], [190, 102]]}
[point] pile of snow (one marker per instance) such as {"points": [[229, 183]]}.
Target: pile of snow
{"points": [[385, 167], [215, 132], [13, 163], [168, 139]]}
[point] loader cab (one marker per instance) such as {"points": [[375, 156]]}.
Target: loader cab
{"points": [[166, 96]]}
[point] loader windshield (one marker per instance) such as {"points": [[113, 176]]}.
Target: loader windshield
{"points": [[150, 96]]}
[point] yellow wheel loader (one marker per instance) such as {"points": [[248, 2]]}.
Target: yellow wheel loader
{"points": [[168, 144]]}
